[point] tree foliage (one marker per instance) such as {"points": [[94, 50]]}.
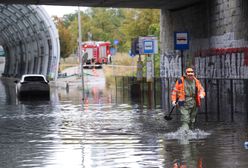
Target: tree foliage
{"points": [[107, 24], [64, 38]]}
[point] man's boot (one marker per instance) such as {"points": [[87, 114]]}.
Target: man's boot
{"points": [[185, 127], [192, 125]]}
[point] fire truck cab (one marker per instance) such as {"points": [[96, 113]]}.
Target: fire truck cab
{"points": [[98, 53]]}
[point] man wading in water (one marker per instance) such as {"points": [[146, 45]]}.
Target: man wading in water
{"points": [[188, 91]]}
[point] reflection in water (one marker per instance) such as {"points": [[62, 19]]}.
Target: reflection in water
{"points": [[187, 160], [109, 131]]}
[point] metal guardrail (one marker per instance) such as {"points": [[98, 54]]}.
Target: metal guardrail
{"points": [[226, 99]]}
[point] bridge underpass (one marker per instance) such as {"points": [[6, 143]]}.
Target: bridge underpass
{"points": [[222, 27], [30, 41], [217, 29]]}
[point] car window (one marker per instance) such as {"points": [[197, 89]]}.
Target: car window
{"points": [[34, 79]]}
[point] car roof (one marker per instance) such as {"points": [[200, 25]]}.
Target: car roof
{"points": [[32, 75]]}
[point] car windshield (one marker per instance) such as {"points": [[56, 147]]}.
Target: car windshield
{"points": [[34, 79]]}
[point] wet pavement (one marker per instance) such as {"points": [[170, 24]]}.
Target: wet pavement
{"points": [[109, 129]]}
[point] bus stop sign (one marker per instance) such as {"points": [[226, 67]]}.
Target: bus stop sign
{"points": [[181, 40]]}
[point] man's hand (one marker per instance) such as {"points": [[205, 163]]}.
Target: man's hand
{"points": [[174, 103], [201, 96]]}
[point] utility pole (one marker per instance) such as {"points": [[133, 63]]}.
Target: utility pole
{"points": [[80, 50]]}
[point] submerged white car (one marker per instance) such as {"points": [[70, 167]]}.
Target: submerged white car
{"points": [[33, 85]]}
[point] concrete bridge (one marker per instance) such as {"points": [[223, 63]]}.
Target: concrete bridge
{"points": [[218, 35], [168, 4]]}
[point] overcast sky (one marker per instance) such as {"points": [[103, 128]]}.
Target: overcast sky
{"points": [[61, 10]]}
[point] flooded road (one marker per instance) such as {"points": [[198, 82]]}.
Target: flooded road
{"points": [[109, 130]]}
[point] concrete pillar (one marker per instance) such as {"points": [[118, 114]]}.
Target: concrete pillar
{"points": [[166, 31], [170, 62]]}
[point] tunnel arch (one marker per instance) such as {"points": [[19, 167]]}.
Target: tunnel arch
{"points": [[30, 41]]}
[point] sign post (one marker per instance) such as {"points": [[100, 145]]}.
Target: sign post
{"points": [[149, 69], [139, 74], [80, 51], [148, 45], [181, 42]]}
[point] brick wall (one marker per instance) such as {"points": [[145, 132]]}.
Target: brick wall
{"points": [[213, 25]]}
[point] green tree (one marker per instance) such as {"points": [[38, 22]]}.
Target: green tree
{"points": [[105, 23], [64, 38], [68, 18], [73, 29], [140, 22], [154, 29], [108, 24]]}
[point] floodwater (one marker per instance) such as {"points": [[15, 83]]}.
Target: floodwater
{"points": [[110, 129]]}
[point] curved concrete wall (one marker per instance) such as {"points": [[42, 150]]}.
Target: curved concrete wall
{"points": [[30, 40]]}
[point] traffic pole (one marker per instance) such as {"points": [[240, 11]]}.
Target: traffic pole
{"points": [[80, 50]]}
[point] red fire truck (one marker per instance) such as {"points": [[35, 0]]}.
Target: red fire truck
{"points": [[98, 53]]}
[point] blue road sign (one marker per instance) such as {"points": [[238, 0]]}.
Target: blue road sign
{"points": [[148, 46], [116, 42], [181, 40]]}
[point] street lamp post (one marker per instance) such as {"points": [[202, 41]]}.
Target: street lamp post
{"points": [[80, 51]]}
